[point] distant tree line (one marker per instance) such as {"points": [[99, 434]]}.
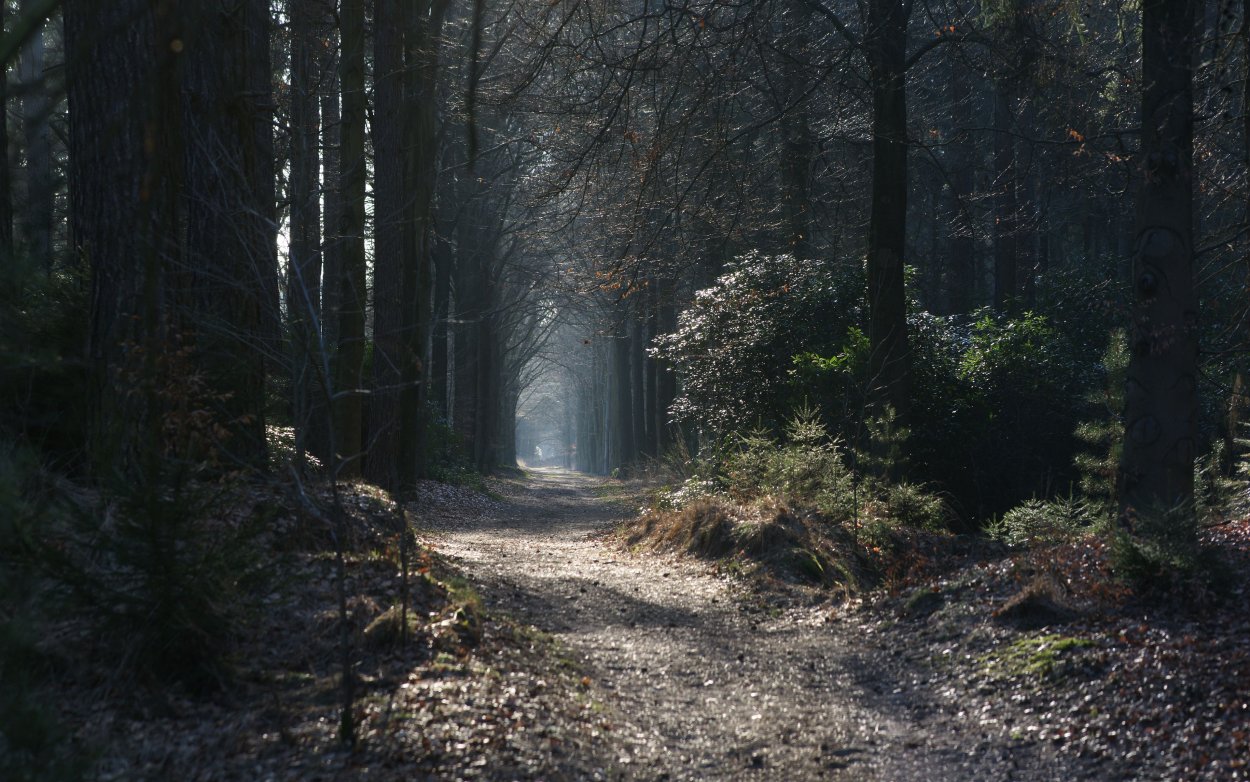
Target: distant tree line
{"points": [[276, 216], [391, 226]]}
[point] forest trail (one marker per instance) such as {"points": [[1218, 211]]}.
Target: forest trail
{"points": [[702, 684]]}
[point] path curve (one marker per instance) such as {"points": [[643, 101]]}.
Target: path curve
{"points": [[710, 686]]}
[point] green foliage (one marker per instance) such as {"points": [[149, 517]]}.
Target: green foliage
{"points": [[1157, 549], [1239, 503], [999, 399], [1217, 495], [690, 490], [179, 578], [996, 399], [1034, 657], [1103, 436], [735, 347], [807, 468], [882, 455], [915, 506], [1041, 522], [34, 747]]}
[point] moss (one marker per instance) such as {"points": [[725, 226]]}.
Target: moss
{"points": [[1034, 657]]}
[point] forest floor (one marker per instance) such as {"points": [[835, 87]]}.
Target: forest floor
{"points": [[701, 678], [544, 648], [951, 677]]}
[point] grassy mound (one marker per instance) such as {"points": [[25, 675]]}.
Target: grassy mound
{"points": [[777, 541]]}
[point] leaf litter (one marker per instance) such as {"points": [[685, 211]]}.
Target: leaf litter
{"points": [[590, 662]]}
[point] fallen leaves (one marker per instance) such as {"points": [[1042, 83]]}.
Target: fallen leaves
{"points": [[467, 696]]}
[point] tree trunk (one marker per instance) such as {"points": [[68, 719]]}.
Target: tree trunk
{"points": [[36, 108], [622, 453], [961, 267], [889, 362], [637, 383], [332, 197], [798, 149], [655, 416], [227, 234], [259, 107], [440, 370], [424, 34], [350, 351], [1245, 103], [1161, 391], [383, 464], [6, 173], [308, 367], [1006, 206], [114, 207], [666, 380], [485, 390], [124, 167]]}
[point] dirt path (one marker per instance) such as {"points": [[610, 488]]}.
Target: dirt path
{"points": [[709, 686]]}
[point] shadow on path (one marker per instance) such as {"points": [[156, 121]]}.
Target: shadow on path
{"points": [[710, 686]]}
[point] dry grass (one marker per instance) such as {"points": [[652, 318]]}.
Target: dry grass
{"points": [[768, 540]]}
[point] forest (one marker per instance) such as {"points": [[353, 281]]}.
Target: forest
{"points": [[625, 389]]}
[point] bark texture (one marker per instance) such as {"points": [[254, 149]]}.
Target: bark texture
{"points": [[890, 359], [350, 352], [1161, 390]]}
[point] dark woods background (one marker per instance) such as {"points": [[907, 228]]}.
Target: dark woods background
{"points": [[286, 221], [980, 255]]}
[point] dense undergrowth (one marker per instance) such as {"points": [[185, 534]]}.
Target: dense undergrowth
{"points": [[806, 508], [800, 509], [150, 589], [1013, 433]]}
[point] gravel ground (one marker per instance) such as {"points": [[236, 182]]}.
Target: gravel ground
{"points": [[705, 682]]}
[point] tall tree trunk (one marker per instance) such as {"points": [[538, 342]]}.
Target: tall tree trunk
{"points": [[1006, 206], [637, 383], [1028, 239], [258, 104], [1161, 391], [332, 194], [227, 234], [424, 34], [655, 416], [666, 379], [36, 108], [622, 453], [961, 268], [889, 363], [350, 350], [122, 204], [485, 391], [383, 464], [440, 370], [466, 307], [798, 146], [506, 452], [1245, 104], [6, 173], [308, 366]]}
